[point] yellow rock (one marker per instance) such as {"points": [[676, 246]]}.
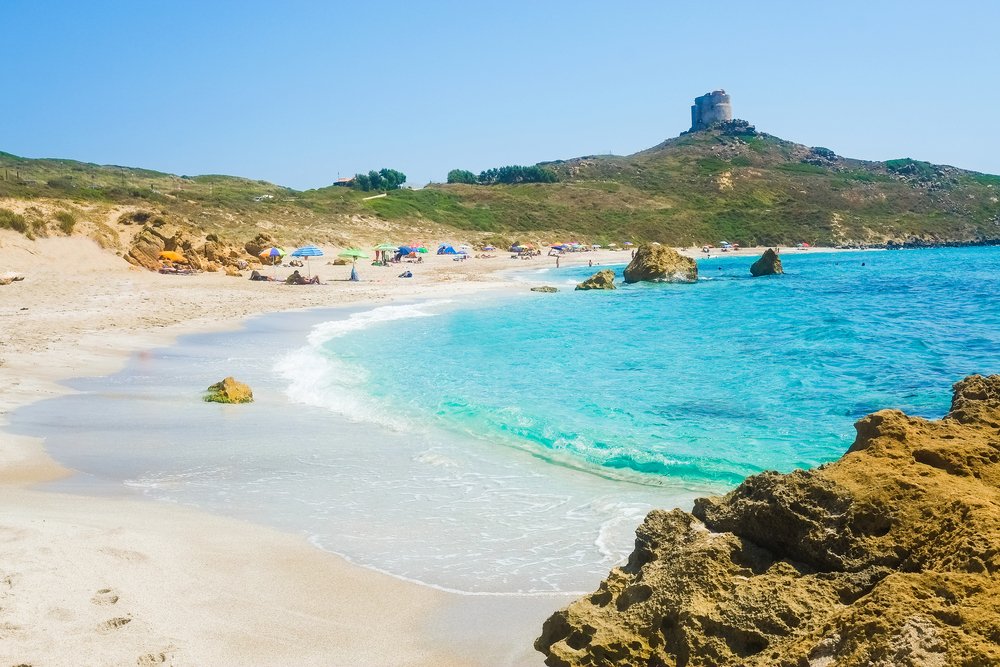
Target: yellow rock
{"points": [[889, 556], [229, 391]]}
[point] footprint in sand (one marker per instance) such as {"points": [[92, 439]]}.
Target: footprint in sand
{"points": [[9, 630], [152, 659], [104, 597], [113, 624], [124, 554]]}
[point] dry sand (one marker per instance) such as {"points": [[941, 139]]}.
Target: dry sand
{"points": [[114, 581]]}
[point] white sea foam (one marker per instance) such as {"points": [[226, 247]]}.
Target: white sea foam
{"points": [[612, 536], [326, 331], [435, 459], [320, 379]]}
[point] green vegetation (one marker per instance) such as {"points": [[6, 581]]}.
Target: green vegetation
{"points": [[730, 182], [802, 168], [11, 220], [66, 222], [383, 179], [509, 175], [514, 174], [912, 167], [462, 176]]}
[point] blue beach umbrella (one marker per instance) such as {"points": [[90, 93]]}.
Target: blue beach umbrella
{"points": [[307, 251]]}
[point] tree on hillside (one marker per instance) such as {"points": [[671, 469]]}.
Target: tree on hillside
{"points": [[462, 176], [517, 174], [383, 179]]}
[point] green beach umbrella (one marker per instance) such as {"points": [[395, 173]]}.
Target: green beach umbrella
{"points": [[387, 246], [353, 254]]}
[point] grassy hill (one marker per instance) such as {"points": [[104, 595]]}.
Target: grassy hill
{"points": [[729, 182]]}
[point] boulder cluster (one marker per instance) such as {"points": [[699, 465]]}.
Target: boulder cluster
{"points": [[888, 557], [203, 254]]}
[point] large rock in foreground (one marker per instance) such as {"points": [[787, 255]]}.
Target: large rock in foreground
{"points": [[601, 280], [769, 264], [229, 391], [660, 263], [888, 557]]}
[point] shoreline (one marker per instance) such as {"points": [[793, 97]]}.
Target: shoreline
{"points": [[37, 367], [46, 526]]}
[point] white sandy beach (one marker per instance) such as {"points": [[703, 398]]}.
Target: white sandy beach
{"points": [[115, 581]]}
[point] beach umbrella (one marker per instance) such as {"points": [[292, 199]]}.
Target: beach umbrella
{"points": [[172, 256], [421, 249], [307, 251], [382, 251], [272, 253], [353, 254]]}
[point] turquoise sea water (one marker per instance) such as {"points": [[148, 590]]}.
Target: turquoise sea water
{"points": [[708, 382], [510, 445]]}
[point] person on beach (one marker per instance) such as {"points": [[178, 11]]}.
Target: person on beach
{"points": [[297, 279]]}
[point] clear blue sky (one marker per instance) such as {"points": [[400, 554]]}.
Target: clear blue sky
{"points": [[299, 92]]}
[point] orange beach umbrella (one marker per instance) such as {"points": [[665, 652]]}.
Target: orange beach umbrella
{"points": [[172, 256]]}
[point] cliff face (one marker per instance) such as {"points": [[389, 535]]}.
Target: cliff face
{"points": [[888, 557]]}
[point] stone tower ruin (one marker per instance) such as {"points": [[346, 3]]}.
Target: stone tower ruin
{"points": [[709, 109]]}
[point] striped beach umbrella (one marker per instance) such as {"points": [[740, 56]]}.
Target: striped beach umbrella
{"points": [[307, 251]]}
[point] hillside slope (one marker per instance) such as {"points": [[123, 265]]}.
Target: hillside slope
{"points": [[729, 182]]}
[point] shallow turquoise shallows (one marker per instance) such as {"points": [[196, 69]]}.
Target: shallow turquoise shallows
{"points": [[707, 382], [511, 445]]}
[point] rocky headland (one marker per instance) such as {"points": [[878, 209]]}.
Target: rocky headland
{"points": [[887, 557]]}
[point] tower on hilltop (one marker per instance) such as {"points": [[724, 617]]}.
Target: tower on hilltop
{"points": [[710, 108]]}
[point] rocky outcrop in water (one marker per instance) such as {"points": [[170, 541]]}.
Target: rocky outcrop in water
{"points": [[769, 264], [660, 263], [888, 557], [229, 391], [545, 288], [601, 280]]}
